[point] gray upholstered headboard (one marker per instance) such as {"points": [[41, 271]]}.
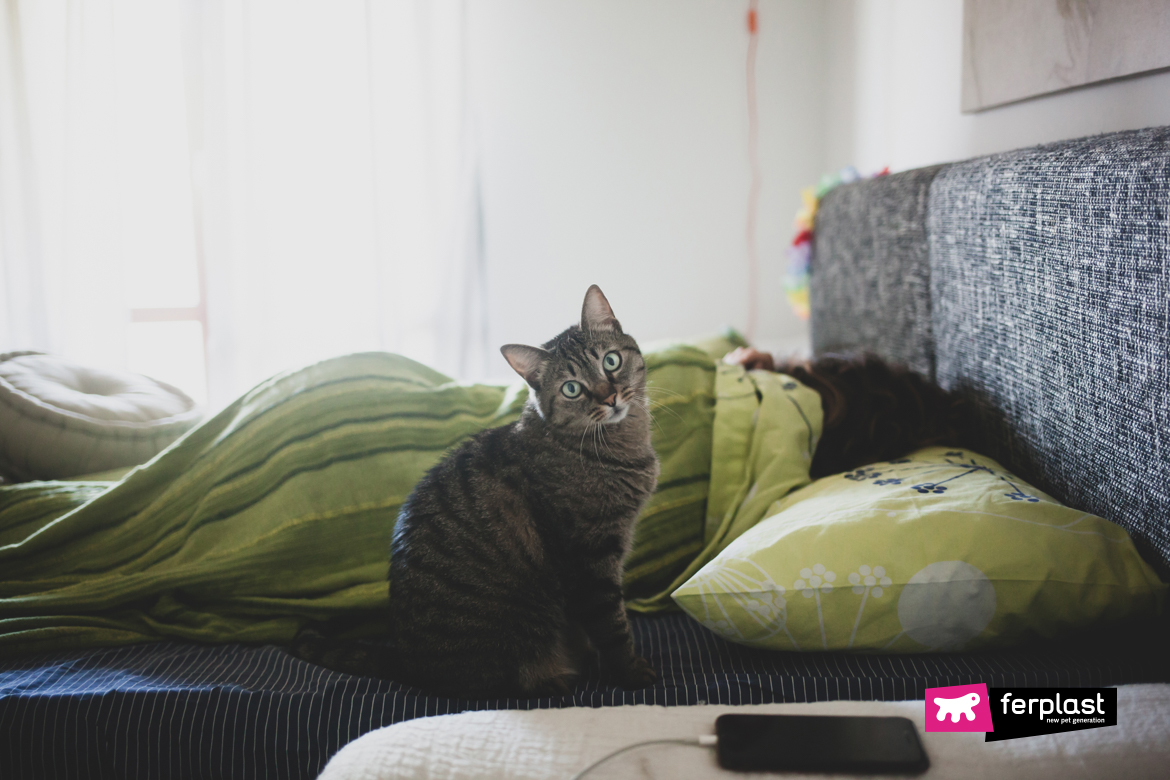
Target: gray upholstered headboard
{"points": [[1037, 282]]}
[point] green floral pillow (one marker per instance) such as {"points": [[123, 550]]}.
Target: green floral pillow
{"points": [[941, 550]]}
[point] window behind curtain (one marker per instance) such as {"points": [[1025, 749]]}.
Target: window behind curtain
{"points": [[211, 192]]}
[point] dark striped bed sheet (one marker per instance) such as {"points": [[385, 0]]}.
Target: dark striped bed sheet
{"points": [[182, 710]]}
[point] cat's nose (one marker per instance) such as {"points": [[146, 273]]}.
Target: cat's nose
{"points": [[611, 401]]}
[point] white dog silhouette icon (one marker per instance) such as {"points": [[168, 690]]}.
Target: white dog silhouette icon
{"points": [[963, 704]]}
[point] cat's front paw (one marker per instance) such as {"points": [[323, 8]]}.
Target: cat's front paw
{"points": [[308, 643], [563, 685], [637, 674]]}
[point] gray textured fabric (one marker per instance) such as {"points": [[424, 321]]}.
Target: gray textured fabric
{"points": [[1050, 285], [870, 278]]}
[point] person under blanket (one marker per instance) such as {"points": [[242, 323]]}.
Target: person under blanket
{"points": [[873, 410]]}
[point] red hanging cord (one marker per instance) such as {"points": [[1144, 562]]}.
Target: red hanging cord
{"points": [[754, 164]]}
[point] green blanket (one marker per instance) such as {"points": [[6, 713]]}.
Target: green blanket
{"points": [[279, 510]]}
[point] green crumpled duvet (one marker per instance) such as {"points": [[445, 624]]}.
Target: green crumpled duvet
{"points": [[279, 510]]}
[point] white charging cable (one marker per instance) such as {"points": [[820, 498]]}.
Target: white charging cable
{"points": [[707, 740]]}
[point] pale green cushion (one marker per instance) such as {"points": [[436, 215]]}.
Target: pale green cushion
{"points": [[942, 550], [753, 447]]}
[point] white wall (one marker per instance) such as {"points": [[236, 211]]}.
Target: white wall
{"points": [[614, 144], [896, 83], [614, 151]]}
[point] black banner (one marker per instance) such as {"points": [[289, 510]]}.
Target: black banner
{"points": [[1028, 712]]}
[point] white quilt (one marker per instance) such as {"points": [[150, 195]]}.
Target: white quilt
{"points": [[558, 743]]}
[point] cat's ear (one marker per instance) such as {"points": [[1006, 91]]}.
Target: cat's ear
{"points": [[525, 361], [596, 313]]}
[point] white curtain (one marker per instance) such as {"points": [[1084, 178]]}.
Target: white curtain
{"points": [[61, 143], [307, 170]]}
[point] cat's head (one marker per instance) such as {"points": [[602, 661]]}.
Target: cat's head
{"points": [[590, 374]]}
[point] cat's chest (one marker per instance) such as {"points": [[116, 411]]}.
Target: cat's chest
{"points": [[606, 489]]}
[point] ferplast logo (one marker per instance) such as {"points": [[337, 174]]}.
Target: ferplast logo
{"points": [[958, 708], [1011, 713], [1029, 712], [1086, 710]]}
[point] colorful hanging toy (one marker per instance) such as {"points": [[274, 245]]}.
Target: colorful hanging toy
{"points": [[800, 253]]}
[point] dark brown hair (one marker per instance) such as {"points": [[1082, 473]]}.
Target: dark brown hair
{"points": [[877, 411]]}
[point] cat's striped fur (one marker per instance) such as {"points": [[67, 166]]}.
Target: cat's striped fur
{"points": [[506, 561]]}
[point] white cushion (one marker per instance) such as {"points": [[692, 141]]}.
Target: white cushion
{"points": [[538, 744], [59, 419]]}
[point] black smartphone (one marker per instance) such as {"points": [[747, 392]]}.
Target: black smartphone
{"points": [[819, 743]]}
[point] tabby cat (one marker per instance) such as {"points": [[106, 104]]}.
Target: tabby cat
{"points": [[506, 560]]}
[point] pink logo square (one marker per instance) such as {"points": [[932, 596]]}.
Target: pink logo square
{"points": [[958, 708]]}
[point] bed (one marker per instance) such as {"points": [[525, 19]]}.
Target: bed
{"points": [[1036, 282]]}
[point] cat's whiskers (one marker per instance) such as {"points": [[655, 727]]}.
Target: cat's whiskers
{"points": [[663, 404], [658, 389], [604, 443], [639, 399], [653, 405]]}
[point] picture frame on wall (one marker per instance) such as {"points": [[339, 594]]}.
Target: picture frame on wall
{"points": [[1019, 49]]}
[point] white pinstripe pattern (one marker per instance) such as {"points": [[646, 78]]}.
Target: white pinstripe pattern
{"points": [[176, 710]]}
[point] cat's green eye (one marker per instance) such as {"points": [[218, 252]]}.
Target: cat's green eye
{"points": [[571, 389], [612, 361]]}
